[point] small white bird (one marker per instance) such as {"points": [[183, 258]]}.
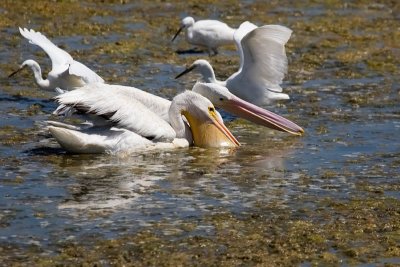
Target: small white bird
{"points": [[263, 64], [206, 33], [137, 121], [66, 73]]}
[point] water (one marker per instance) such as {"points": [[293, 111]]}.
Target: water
{"points": [[344, 171]]}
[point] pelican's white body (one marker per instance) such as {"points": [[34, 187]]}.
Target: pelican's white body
{"points": [[111, 140], [136, 119]]}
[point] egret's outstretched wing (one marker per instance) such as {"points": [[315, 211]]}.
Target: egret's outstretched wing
{"points": [[60, 59], [263, 61], [86, 74], [120, 105], [241, 32]]}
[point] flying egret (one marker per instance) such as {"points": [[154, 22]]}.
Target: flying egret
{"points": [[66, 73], [206, 33], [137, 121], [263, 64]]}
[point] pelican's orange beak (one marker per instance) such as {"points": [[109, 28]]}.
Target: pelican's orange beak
{"points": [[260, 116], [210, 132]]}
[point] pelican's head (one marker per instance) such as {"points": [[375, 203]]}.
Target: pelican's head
{"points": [[27, 63], [208, 129], [203, 67], [222, 98], [186, 22]]}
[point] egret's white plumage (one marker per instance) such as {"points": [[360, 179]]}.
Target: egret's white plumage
{"points": [[139, 120], [66, 73], [263, 64], [206, 33]]}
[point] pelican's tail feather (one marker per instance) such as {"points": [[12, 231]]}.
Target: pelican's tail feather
{"points": [[74, 141]]}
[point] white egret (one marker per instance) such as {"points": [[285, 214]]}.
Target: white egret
{"points": [[263, 64], [66, 73], [206, 33], [137, 121]]}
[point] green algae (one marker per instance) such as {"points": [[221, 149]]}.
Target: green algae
{"points": [[358, 230], [11, 136]]}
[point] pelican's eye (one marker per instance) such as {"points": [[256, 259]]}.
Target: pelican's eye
{"points": [[221, 99], [211, 109]]}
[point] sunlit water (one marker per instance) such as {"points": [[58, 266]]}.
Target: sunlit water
{"points": [[81, 194]]}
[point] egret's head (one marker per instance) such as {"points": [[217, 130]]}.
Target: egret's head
{"points": [[188, 21], [27, 63], [202, 67]]}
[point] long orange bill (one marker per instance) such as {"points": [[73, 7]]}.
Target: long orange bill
{"points": [[260, 116], [226, 132]]}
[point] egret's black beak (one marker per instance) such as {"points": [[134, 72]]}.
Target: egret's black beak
{"points": [[176, 34], [189, 69], [15, 72]]}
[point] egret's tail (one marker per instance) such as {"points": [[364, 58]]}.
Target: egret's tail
{"points": [[277, 96]]}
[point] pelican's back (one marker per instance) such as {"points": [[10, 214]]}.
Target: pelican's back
{"points": [[126, 107]]}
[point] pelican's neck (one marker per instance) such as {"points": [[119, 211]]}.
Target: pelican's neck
{"points": [[176, 120], [37, 72]]}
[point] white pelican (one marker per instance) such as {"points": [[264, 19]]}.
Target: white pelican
{"points": [[66, 73], [137, 120], [222, 98], [263, 64], [206, 33]]}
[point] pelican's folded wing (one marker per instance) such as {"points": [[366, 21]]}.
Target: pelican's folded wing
{"points": [[115, 104]]}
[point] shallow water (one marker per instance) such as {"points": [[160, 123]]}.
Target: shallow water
{"points": [[329, 197]]}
